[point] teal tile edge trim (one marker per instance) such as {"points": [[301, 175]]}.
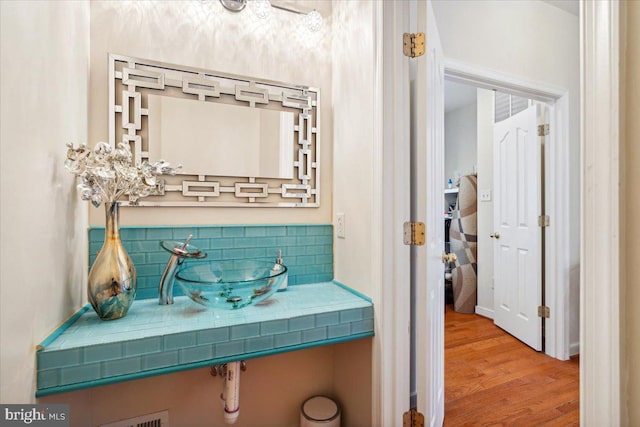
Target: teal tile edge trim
{"points": [[353, 291], [201, 364], [154, 338], [60, 329]]}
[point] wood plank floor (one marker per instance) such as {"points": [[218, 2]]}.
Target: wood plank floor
{"points": [[492, 379]]}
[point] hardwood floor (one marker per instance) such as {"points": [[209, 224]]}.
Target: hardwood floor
{"points": [[492, 379]]}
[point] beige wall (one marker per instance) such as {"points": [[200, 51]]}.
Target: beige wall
{"points": [[204, 34], [353, 68], [631, 227], [352, 381], [353, 83], [271, 392], [44, 77]]}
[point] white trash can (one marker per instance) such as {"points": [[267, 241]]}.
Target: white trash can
{"points": [[319, 411]]}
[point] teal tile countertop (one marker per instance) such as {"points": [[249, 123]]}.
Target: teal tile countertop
{"points": [[156, 339]]}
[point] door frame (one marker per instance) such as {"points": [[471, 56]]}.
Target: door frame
{"points": [[556, 190], [390, 383], [600, 402]]}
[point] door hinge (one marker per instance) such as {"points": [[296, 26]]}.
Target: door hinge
{"points": [[544, 311], [413, 44], [543, 130], [543, 220], [412, 418], [414, 233]]}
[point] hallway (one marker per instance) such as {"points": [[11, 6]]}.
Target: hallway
{"points": [[492, 379]]}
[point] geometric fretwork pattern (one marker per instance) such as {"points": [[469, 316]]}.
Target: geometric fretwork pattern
{"points": [[131, 80]]}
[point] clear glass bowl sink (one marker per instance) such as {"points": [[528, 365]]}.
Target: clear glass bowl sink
{"points": [[230, 284]]}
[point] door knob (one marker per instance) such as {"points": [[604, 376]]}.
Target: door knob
{"points": [[494, 235]]}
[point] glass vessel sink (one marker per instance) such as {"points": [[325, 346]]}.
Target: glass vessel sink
{"points": [[230, 284]]}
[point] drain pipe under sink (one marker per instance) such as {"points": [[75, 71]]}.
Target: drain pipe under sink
{"points": [[230, 397]]}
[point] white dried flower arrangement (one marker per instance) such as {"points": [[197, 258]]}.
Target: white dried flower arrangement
{"points": [[107, 173]]}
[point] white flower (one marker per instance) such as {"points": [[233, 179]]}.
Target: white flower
{"points": [[108, 173]]}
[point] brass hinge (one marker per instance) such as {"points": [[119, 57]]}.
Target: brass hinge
{"points": [[543, 220], [543, 130], [413, 44], [544, 311], [414, 233], [412, 418]]}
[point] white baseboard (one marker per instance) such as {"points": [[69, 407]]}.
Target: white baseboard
{"points": [[484, 312], [574, 348]]}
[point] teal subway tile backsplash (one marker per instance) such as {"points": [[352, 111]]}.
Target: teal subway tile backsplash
{"points": [[307, 250], [181, 233], [133, 234], [276, 231], [233, 232], [210, 232], [159, 233], [255, 232]]}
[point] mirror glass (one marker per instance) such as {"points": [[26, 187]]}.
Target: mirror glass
{"points": [[221, 139]]}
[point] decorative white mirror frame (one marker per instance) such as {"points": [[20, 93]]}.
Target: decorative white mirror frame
{"points": [[131, 80]]}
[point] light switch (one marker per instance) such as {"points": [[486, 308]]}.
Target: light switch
{"points": [[340, 225], [485, 195]]}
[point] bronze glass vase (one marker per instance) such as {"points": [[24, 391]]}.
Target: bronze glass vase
{"points": [[111, 285]]}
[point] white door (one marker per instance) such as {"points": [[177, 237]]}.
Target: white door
{"points": [[517, 185], [428, 131]]}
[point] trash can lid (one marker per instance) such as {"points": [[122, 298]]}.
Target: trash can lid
{"points": [[320, 408]]}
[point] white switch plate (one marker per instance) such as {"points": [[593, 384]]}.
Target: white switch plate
{"points": [[485, 195], [340, 225]]}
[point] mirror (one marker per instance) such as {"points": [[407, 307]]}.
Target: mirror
{"points": [[221, 139], [242, 141]]}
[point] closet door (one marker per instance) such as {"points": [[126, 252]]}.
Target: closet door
{"points": [[517, 235]]}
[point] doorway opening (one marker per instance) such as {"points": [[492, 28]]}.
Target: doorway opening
{"points": [[552, 213], [494, 207], [492, 183]]}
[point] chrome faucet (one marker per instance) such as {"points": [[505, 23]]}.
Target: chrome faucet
{"points": [[179, 252]]}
